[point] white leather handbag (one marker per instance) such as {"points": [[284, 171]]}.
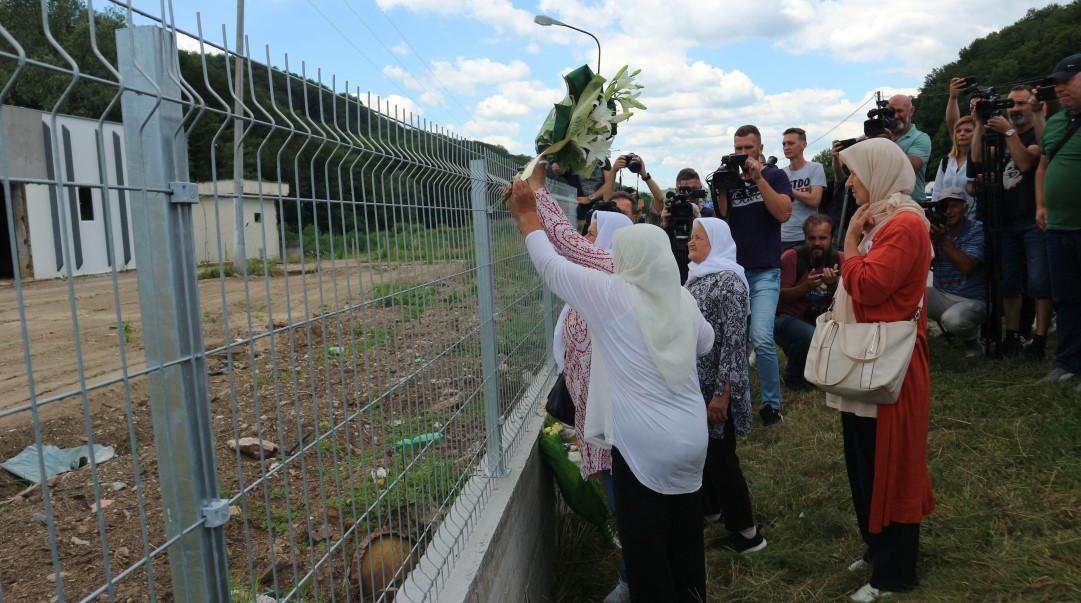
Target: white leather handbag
{"points": [[860, 361]]}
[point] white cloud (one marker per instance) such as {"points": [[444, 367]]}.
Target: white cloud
{"points": [[460, 78], [397, 105], [697, 101], [190, 44], [401, 48]]}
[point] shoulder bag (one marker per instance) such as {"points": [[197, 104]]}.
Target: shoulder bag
{"points": [[863, 361], [559, 404]]}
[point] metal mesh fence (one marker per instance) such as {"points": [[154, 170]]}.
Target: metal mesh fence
{"points": [[290, 324]]}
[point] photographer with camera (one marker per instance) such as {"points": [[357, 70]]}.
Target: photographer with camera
{"points": [[809, 275], [1058, 212], [1020, 241], [636, 165], [755, 204], [956, 298], [808, 180], [915, 144]]}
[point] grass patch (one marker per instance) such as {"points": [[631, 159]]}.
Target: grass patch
{"points": [[1005, 459], [413, 300], [255, 268]]}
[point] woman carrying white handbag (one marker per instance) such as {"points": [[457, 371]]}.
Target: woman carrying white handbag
{"points": [[884, 278]]}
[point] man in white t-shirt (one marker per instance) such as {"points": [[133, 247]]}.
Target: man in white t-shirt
{"points": [[808, 180]]}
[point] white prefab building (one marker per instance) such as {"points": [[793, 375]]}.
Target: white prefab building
{"points": [[213, 220], [63, 230]]}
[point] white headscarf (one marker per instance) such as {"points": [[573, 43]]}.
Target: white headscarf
{"points": [[666, 312], [722, 252], [608, 222], [887, 173]]}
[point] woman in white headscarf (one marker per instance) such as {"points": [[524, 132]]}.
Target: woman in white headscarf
{"points": [[719, 286], [646, 331], [884, 276]]}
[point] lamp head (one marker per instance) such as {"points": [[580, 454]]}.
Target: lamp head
{"points": [[545, 20]]}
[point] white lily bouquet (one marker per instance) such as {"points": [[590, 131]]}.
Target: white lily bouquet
{"points": [[578, 132]]}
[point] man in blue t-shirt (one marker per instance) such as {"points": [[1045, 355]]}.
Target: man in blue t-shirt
{"points": [[755, 209], [957, 296], [915, 144]]}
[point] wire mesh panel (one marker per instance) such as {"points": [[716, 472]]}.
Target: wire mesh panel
{"points": [[262, 369]]}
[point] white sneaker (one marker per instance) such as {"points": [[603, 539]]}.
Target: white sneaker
{"points": [[859, 565], [1056, 375], [868, 593], [620, 594]]}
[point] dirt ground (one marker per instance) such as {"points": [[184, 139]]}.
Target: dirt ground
{"points": [[334, 393]]}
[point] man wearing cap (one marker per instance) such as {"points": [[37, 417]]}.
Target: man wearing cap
{"points": [[957, 296], [1058, 212]]}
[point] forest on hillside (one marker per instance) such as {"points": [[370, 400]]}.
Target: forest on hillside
{"points": [[1025, 51]]}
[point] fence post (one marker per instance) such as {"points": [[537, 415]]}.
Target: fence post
{"points": [[156, 154], [493, 416], [549, 321]]}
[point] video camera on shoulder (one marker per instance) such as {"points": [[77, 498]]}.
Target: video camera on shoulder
{"points": [[881, 119], [988, 104], [681, 211], [727, 175]]}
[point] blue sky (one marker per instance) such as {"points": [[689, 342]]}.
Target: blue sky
{"points": [[483, 69]]}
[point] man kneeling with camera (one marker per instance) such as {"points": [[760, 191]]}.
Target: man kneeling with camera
{"points": [[957, 298]]}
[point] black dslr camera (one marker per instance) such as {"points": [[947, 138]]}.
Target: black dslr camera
{"points": [[935, 212], [881, 119], [634, 163]]}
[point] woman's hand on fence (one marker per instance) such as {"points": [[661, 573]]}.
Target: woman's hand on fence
{"points": [[523, 207]]}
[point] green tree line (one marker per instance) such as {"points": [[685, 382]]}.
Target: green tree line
{"points": [[1025, 51]]}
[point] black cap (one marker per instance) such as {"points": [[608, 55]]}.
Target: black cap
{"points": [[1067, 68]]}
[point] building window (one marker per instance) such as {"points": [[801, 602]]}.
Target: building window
{"points": [[86, 204], [258, 217]]}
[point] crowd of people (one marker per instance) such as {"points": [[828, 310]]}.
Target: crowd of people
{"points": [[660, 334]]}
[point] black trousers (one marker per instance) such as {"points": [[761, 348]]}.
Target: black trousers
{"points": [[893, 553], [662, 539], [723, 488]]}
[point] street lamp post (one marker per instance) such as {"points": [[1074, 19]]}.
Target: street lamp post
{"points": [[547, 21]]}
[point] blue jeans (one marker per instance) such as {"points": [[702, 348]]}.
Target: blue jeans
{"points": [[1064, 259], [1024, 253], [765, 293], [794, 337]]}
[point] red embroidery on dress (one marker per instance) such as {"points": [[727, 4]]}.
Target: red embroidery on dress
{"points": [[576, 248]]}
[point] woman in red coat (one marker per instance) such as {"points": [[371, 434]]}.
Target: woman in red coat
{"points": [[888, 255]]}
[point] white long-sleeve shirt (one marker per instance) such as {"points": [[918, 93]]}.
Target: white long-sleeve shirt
{"points": [[660, 433]]}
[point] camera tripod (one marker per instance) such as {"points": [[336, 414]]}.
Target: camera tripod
{"points": [[989, 205]]}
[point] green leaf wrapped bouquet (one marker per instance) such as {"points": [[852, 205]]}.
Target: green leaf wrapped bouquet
{"points": [[578, 132]]}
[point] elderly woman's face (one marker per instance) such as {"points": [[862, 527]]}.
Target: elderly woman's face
{"points": [[859, 190], [698, 246], [591, 234]]}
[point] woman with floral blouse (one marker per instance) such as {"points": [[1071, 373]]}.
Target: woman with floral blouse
{"points": [[719, 286]]}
